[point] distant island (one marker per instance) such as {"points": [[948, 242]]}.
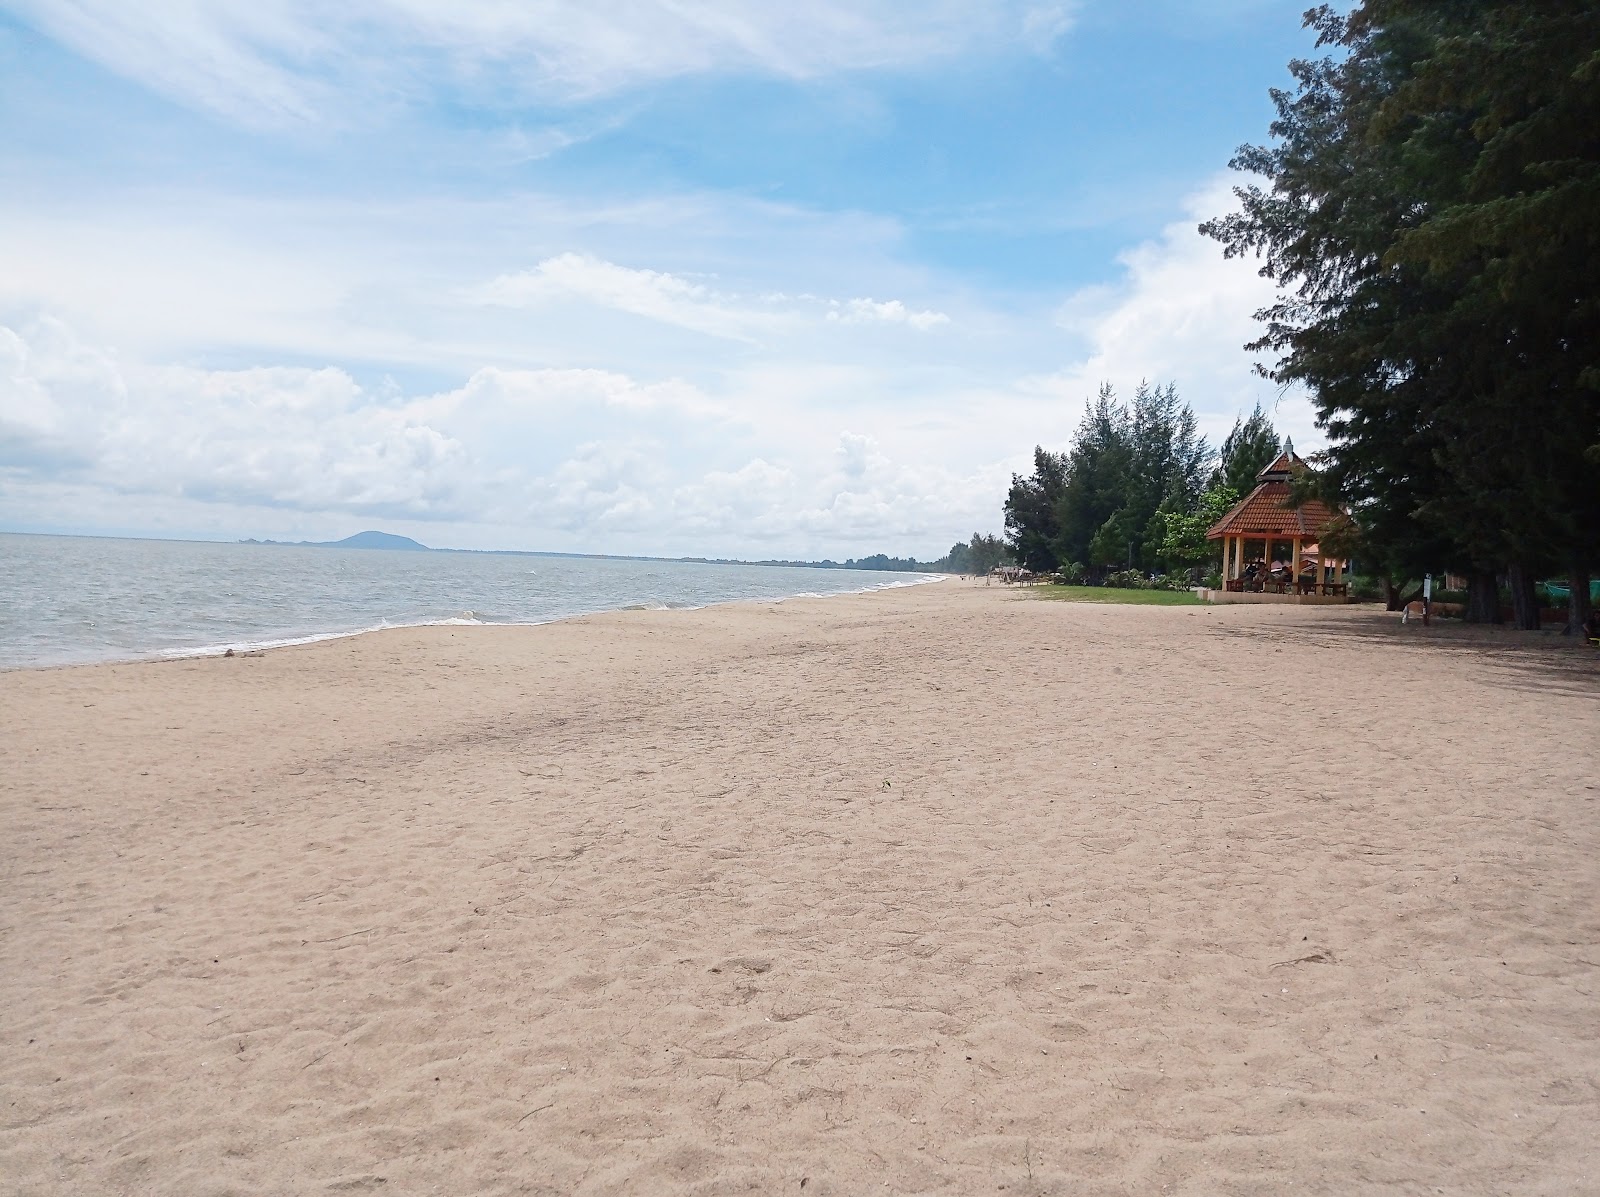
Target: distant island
{"points": [[361, 540]]}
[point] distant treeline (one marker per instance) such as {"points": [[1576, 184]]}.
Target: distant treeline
{"points": [[878, 561]]}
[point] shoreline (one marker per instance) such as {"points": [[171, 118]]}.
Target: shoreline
{"points": [[937, 888], [239, 648]]}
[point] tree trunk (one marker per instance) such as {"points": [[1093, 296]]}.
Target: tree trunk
{"points": [[1395, 597], [1483, 597], [1524, 602], [1578, 606]]}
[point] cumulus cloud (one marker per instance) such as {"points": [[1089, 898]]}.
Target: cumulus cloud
{"points": [[540, 419], [1181, 312], [582, 459], [308, 439], [50, 397], [268, 62]]}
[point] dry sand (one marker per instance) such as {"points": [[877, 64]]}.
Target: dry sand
{"points": [[943, 890]]}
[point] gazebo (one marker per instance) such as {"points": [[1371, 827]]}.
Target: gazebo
{"points": [[1269, 517]]}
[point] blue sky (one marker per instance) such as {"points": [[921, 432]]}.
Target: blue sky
{"points": [[722, 278]]}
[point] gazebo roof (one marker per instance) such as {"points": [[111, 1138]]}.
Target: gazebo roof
{"points": [[1265, 511], [1268, 510]]}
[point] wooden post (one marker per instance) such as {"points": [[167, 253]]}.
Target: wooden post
{"points": [[1294, 566]]}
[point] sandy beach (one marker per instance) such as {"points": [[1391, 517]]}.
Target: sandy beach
{"points": [[939, 890]]}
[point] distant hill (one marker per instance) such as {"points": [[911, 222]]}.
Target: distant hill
{"points": [[361, 540], [374, 540]]}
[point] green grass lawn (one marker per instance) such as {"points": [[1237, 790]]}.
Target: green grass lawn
{"points": [[1112, 594]]}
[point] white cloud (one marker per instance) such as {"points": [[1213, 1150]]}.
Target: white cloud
{"points": [[267, 62], [584, 408], [579, 459], [670, 299], [543, 389], [649, 293], [47, 396], [307, 439], [866, 311], [1181, 313]]}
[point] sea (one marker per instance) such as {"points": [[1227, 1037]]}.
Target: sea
{"points": [[67, 600]]}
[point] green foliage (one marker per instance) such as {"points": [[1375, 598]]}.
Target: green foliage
{"points": [[885, 563], [1030, 509], [978, 556], [1430, 218], [1105, 501], [1251, 447], [1366, 588], [1114, 543], [1126, 579], [1184, 541]]}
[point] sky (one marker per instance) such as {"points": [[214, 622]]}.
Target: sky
{"points": [[720, 278]]}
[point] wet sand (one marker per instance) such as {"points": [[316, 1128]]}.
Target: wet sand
{"points": [[938, 890]]}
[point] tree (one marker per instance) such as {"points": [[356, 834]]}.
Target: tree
{"points": [[1251, 447], [1430, 221], [1113, 544], [1104, 502], [1127, 464], [987, 552], [1184, 544], [1032, 527], [977, 556]]}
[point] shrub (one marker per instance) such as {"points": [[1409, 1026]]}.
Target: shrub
{"points": [[1126, 579], [1366, 588]]}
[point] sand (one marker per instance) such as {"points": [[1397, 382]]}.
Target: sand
{"points": [[939, 890]]}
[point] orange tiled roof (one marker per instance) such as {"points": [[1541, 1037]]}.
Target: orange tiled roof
{"points": [[1265, 512], [1283, 465]]}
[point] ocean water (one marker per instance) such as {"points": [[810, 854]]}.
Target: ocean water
{"points": [[69, 599]]}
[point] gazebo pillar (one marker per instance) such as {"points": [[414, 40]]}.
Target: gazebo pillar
{"points": [[1294, 565]]}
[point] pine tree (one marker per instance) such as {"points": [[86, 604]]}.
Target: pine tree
{"points": [[1251, 447], [1431, 220]]}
